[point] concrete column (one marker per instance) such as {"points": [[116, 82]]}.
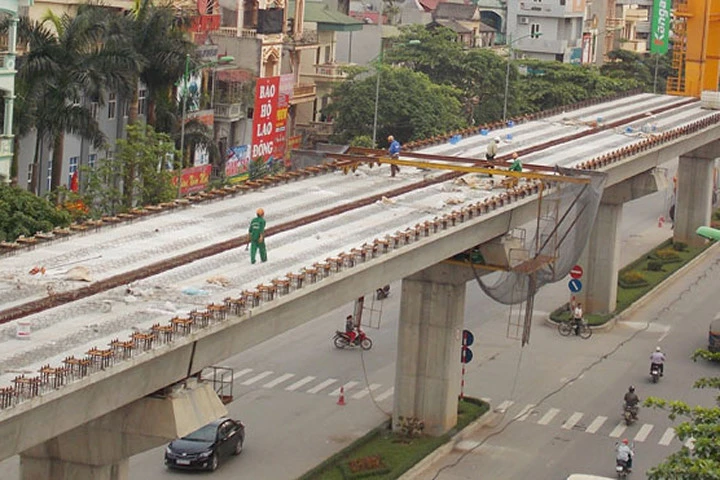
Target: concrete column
{"points": [[693, 205], [601, 260], [427, 379], [99, 450]]}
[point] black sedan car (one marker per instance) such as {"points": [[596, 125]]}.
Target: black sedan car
{"points": [[203, 448]]}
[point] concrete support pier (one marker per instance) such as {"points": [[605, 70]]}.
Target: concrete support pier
{"points": [[100, 450], [427, 380], [693, 206], [601, 260]]}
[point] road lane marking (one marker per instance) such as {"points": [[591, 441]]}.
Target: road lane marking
{"points": [[365, 391], [346, 387], [278, 380], [525, 412], [322, 385], [257, 378], [667, 437], [239, 374], [596, 424], [570, 423], [547, 418], [618, 430], [299, 384], [643, 432], [504, 406], [386, 394]]}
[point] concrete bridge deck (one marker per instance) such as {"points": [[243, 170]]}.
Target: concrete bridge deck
{"points": [[76, 327]]}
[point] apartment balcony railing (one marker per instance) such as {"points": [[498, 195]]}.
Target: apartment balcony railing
{"points": [[7, 61], [230, 112], [6, 145], [233, 32], [305, 92], [331, 71]]}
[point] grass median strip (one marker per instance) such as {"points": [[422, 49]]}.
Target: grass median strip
{"points": [[384, 455]]}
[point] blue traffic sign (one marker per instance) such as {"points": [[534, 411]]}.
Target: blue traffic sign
{"points": [[467, 338], [575, 285], [466, 355]]}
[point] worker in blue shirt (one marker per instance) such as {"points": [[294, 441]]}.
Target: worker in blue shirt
{"points": [[394, 152]]}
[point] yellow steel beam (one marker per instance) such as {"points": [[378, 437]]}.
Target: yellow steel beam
{"points": [[464, 168]]}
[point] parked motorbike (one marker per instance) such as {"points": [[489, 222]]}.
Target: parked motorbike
{"points": [[655, 372], [342, 340], [621, 468], [382, 292], [630, 414]]}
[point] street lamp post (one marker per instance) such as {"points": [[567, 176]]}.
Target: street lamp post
{"points": [[507, 68]]}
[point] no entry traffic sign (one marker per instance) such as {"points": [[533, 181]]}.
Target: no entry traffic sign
{"points": [[575, 285], [576, 271]]}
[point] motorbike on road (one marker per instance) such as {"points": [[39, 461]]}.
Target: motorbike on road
{"points": [[342, 340], [621, 468], [630, 414], [655, 372]]}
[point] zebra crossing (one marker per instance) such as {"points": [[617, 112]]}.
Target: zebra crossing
{"points": [[544, 416], [597, 425]]}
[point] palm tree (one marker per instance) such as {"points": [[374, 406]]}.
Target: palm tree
{"points": [[157, 35], [68, 62]]}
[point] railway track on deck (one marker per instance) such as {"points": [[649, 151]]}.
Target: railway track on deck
{"points": [[341, 162]]}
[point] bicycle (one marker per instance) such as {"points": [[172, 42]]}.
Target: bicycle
{"points": [[582, 330]]}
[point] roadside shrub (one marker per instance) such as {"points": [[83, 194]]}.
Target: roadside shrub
{"points": [[667, 255], [680, 246], [655, 266], [632, 279]]}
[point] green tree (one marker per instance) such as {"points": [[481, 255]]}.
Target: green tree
{"points": [[545, 85], [146, 153], [22, 213], [702, 462], [67, 62], [410, 106], [623, 64]]}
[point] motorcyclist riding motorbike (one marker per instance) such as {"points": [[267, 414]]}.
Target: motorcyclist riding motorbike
{"points": [[624, 455], [350, 328], [657, 359], [631, 401]]}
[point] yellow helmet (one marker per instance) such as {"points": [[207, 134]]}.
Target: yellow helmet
{"points": [[260, 212]]}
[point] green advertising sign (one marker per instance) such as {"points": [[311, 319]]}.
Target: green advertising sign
{"points": [[660, 28]]}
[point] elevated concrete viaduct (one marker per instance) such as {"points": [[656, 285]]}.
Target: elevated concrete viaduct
{"points": [[430, 325]]}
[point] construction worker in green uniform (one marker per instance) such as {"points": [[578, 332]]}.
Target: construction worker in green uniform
{"points": [[257, 236], [516, 165]]}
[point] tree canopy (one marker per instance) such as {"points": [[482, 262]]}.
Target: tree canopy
{"points": [[410, 106], [702, 425], [23, 213]]}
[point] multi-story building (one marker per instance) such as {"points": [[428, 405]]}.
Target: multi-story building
{"points": [[8, 8], [546, 29]]}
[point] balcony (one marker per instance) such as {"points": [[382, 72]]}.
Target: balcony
{"points": [[330, 71], [230, 112], [233, 32], [308, 39], [305, 92]]}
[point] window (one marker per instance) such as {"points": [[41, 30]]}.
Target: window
{"points": [[112, 105], [92, 158], [94, 110], [30, 173], [73, 168], [535, 30], [49, 174], [142, 102]]}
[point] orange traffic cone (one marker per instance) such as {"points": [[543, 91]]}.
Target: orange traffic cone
{"points": [[341, 398]]}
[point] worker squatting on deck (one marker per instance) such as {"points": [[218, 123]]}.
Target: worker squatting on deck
{"points": [[257, 236]]}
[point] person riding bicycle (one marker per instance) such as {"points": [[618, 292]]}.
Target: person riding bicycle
{"points": [[577, 318]]}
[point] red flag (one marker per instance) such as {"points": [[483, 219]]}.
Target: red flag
{"points": [[74, 183]]}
